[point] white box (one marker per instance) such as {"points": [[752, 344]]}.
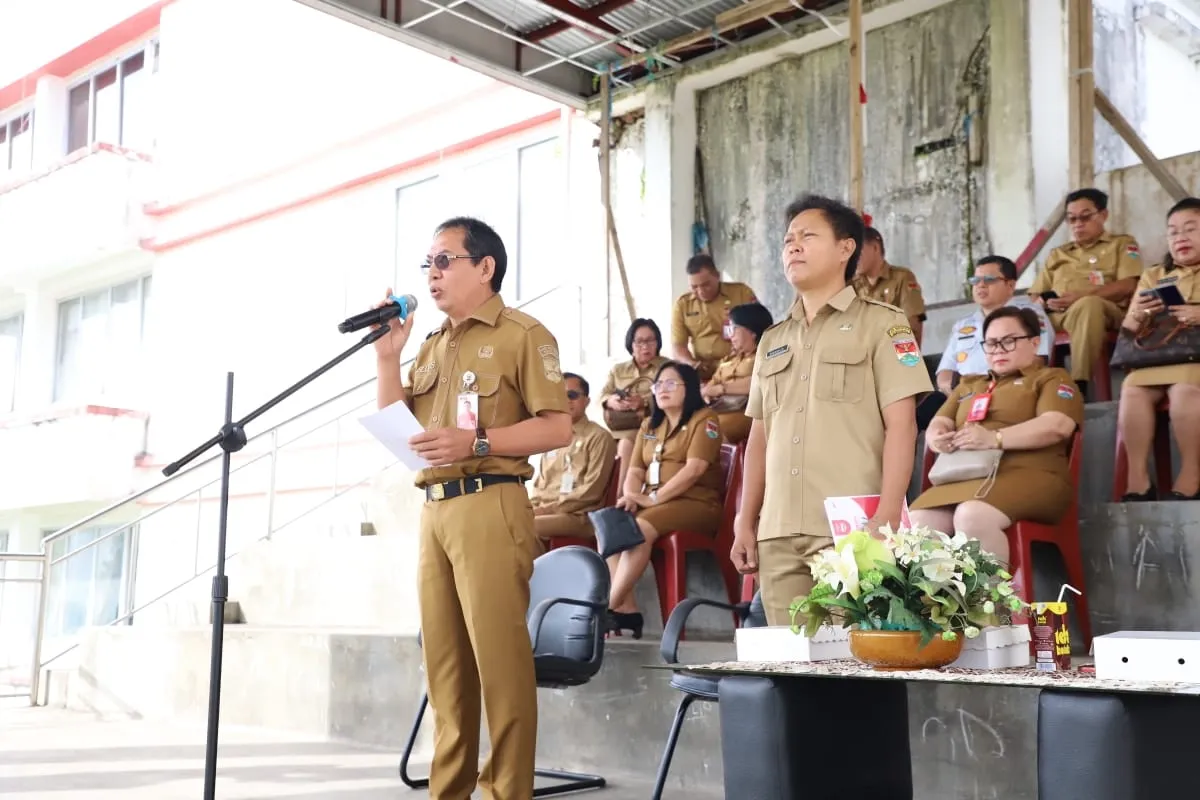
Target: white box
{"points": [[1167, 656], [778, 643], [997, 647]]}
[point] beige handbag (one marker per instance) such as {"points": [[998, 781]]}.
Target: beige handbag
{"points": [[967, 465]]}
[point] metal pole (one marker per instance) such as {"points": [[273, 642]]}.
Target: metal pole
{"points": [[35, 680]]}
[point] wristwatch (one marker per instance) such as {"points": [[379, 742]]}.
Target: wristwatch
{"points": [[482, 446], [654, 497]]}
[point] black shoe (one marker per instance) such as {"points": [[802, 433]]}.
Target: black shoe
{"points": [[1148, 496], [626, 622], [1181, 496]]}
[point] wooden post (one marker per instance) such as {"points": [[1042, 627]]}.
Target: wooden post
{"points": [[856, 109], [1081, 95], [1122, 126]]}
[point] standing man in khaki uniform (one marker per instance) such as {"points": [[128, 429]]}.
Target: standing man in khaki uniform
{"points": [[897, 286], [700, 326], [572, 481], [477, 534], [1090, 281], [833, 403]]}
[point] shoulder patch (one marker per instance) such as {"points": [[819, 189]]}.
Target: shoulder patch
{"points": [[899, 330], [712, 429], [1132, 250], [1065, 391], [520, 317], [550, 365]]}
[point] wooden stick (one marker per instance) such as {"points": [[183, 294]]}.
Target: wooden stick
{"points": [[1121, 125], [1081, 94], [1041, 237], [616, 246], [856, 109]]}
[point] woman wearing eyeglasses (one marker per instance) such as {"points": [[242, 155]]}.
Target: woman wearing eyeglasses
{"points": [[625, 398], [729, 388], [1003, 439], [673, 482]]}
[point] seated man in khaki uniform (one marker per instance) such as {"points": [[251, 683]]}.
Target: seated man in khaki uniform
{"points": [[1086, 284], [879, 280], [571, 481], [700, 326]]}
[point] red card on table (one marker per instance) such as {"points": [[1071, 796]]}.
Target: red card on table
{"points": [[848, 514]]}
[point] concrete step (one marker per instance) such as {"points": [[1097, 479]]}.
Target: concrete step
{"points": [[362, 688]]}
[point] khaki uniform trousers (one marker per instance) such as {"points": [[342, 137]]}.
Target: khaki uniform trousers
{"points": [[784, 574], [577, 525], [1087, 322], [476, 560]]}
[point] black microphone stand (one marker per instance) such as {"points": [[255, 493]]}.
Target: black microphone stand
{"points": [[232, 438]]}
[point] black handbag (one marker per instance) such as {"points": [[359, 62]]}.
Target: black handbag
{"points": [[1161, 342], [616, 531]]}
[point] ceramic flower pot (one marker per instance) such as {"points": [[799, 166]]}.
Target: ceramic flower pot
{"points": [[902, 649]]}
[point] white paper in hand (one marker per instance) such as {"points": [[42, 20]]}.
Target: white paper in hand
{"points": [[393, 427]]}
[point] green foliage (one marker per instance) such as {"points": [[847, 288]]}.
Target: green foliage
{"points": [[908, 580]]}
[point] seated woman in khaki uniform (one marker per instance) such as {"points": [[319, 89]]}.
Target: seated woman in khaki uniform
{"points": [[673, 483], [729, 389], [1143, 388], [1028, 411], [628, 387]]}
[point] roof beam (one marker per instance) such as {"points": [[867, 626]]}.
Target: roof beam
{"points": [[593, 16]]}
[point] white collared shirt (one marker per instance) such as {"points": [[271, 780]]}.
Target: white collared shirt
{"points": [[964, 351]]}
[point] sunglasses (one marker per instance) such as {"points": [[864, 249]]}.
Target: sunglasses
{"points": [[988, 280], [573, 395], [442, 262]]}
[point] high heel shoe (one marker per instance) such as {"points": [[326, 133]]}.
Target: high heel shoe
{"points": [[619, 621]]}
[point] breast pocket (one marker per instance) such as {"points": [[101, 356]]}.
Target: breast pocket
{"points": [[771, 378], [842, 374], [489, 400]]}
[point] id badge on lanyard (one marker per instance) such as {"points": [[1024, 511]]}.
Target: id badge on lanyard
{"points": [[980, 404], [654, 471], [567, 484]]}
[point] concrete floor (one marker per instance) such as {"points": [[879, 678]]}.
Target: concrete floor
{"points": [[52, 753]]}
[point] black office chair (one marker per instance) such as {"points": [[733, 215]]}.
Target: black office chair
{"points": [[568, 598], [695, 687]]}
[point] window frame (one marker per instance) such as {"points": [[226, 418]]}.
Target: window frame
{"points": [[142, 280], [19, 316], [6, 124], [151, 50]]}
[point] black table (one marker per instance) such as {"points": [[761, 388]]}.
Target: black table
{"points": [[812, 731]]}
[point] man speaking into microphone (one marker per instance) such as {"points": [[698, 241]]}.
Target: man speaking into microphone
{"points": [[488, 389]]}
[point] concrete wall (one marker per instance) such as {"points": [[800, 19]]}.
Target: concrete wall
{"points": [[778, 132]]}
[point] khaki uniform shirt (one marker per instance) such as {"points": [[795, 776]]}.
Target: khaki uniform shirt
{"points": [[736, 365], [1072, 268], [1186, 279], [627, 376], [856, 357], [897, 286], [505, 356], [705, 325], [700, 437], [574, 479], [1019, 398]]}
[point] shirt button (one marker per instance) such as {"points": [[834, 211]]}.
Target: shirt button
{"points": [[803, 377], [454, 344], [808, 347], [795, 471], [443, 380], [435, 419], [801, 408], [795, 440]]}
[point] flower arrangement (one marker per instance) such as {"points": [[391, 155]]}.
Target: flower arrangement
{"points": [[914, 579]]}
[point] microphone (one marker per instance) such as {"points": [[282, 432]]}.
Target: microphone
{"points": [[398, 307]]}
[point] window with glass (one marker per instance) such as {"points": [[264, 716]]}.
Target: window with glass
{"points": [[10, 360], [521, 194], [89, 588], [115, 104], [100, 338], [16, 145]]}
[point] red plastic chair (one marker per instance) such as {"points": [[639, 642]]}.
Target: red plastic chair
{"points": [[1064, 536], [610, 499], [1101, 383], [669, 556], [1162, 456]]}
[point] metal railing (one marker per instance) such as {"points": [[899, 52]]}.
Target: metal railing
{"points": [[270, 444]]}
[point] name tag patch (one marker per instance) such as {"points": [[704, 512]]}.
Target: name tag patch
{"points": [[778, 351]]}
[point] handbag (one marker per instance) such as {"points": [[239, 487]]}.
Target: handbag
{"points": [[624, 420], [728, 403], [1162, 342], [967, 465], [616, 531]]}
